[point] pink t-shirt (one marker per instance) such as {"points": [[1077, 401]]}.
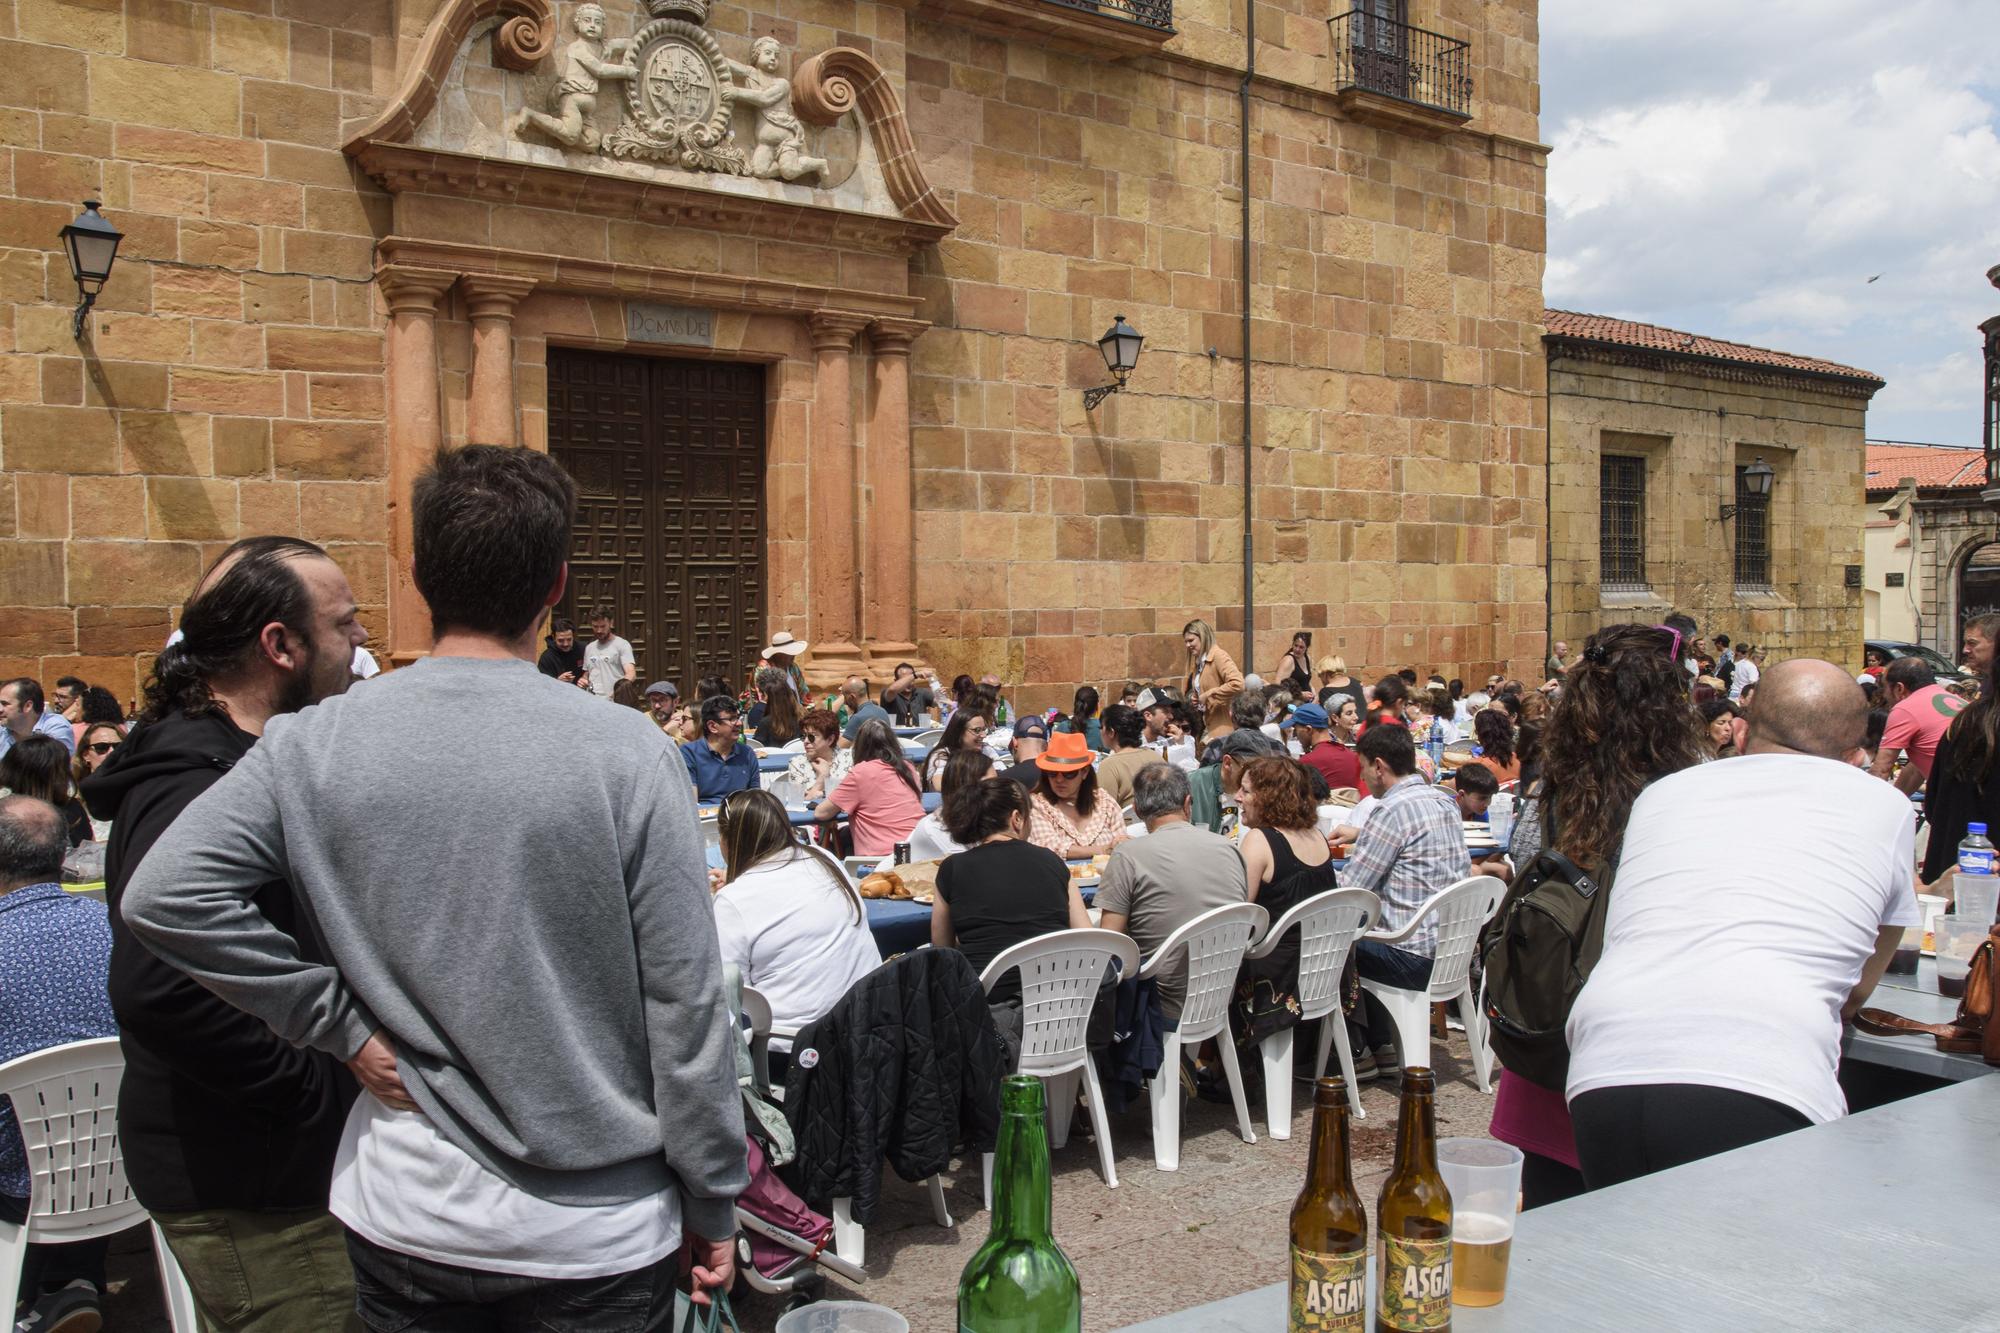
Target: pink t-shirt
{"points": [[880, 806], [1919, 722]]}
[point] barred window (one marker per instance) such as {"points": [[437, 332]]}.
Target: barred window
{"points": [[1753, 537], [1621, 521]]}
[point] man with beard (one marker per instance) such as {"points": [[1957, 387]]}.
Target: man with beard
{"points": [[230, 1131], [562, 657]]}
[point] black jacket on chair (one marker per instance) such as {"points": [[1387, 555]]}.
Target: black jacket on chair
{"points": [[907, 1066]]}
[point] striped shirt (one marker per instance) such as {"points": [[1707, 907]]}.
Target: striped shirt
{"points": [[1412, 846]]}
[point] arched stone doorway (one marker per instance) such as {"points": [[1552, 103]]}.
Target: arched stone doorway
{"points": [[1978, 584]]}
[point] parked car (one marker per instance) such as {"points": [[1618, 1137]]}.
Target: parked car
{"points": [[1948, 672]]}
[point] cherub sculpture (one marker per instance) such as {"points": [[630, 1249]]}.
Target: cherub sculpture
{"points": [[781, 139], [588, 60]]}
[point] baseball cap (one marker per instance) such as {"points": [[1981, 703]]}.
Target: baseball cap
{"points": [[1153, 698], [1031, 726], [1308, 715], [663, 687]]}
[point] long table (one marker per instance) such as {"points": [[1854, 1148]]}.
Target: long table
{"points": [[1913, 996], [1873, 1221]]}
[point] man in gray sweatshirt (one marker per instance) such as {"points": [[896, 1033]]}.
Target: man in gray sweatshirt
{"points": [[524, 975]]}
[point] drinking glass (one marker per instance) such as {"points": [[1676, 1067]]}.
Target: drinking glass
{"points": [[1484, 1178]]}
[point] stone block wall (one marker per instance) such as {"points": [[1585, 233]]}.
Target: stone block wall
{"points": [[231, 379], [1397, 422], [1694, 429]]}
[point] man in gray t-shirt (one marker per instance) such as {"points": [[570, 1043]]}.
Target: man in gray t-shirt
{"points": [[1156, 884]]}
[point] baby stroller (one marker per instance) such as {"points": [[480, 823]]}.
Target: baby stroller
{"points": [[783, 1244]]}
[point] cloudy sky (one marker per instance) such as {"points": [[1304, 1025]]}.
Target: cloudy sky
{"points": [[1740, 168]]}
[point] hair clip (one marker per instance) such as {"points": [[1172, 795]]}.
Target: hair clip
{"points": [[1596, 653]]}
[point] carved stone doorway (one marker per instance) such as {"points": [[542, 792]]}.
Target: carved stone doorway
{"points": [[668, 457]]}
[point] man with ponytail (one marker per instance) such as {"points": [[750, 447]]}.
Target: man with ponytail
{"points": [[229, 1130]]}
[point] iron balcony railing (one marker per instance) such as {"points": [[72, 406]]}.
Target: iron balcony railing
{"points": [[1155, 14], [1380, 55]]}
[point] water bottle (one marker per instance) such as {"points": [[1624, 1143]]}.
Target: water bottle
{"points": [[1976, 856], [1976, 887]]}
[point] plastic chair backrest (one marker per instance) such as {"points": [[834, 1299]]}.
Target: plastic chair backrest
{"points": [[1461, 910], [1328, 924], [757, 1010], [927, 738], [1215, 943], [66, 1101], [1060, 974]]}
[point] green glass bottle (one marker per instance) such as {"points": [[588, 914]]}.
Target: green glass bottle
{"points": [[1020, 1281]]}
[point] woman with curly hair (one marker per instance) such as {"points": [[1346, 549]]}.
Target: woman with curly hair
{"points": [[1623, 722], [1495, 733]]}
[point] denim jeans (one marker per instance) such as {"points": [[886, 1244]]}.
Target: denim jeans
{"points": [[1392, 967], [257, 1272], [399, 1293]]}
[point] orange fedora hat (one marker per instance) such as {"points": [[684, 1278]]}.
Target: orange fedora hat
{"points": [[1067, 753]]}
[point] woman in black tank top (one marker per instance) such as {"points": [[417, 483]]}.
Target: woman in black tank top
{"points": [[1288, 862]]}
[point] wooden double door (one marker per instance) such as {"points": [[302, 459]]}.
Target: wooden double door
{"points": [[668, 457]]}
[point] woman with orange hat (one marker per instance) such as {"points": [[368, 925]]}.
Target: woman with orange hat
{"points": [[1071, 815]]}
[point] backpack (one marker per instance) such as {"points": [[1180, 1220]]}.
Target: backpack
{"points": [[1536, 953]]}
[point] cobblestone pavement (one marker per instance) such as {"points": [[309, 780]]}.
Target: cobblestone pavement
{"points": [[1161, 1241]]}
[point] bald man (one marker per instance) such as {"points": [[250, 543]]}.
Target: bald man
{"points": [[1756, 903], [859, 707]]}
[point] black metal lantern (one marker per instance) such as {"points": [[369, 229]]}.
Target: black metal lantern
{"points": [[1120, 346], [1753, 483], [92, 244]]}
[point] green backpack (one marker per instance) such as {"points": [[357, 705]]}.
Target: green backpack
{"points": [[1536, 953]]}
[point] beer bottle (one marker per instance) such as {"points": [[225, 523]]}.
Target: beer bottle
{"points": [[1329, 1229], [1020, 1281], [1413, 1222]]}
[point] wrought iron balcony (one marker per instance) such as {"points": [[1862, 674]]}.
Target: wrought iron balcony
{"points": [[1375, 55], [1155, 14]]}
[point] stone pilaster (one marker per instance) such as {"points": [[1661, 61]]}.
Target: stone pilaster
{"points": [[830, 477], [415, 432], [490, 299]]}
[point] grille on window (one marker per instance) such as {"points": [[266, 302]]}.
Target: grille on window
{"points": [[1753, 537], [1621, 523]]}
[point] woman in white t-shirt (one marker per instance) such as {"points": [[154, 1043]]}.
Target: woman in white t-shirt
{"points": [[787, 914], [1756, 905], [930, 840]]}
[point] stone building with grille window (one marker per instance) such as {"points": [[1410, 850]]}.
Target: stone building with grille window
{"points": [[1657, 443], [804, 293]]}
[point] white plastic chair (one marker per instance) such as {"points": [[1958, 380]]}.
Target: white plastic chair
{"points": [[1328, 924], [927, 739], [1460, 911], [850, 1239], [1214, 944], [66, 1102], [1060, 975]]}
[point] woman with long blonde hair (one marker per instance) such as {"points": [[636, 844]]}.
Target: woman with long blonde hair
{"points": [[1212, 679]]}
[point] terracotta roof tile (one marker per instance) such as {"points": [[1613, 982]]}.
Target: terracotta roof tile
{"points": [[1630, 333], [1940, 466]]}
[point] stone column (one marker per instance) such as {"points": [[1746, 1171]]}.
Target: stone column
{"points": [[887, 621], [490, 299], [830, 484], [415, 432]]}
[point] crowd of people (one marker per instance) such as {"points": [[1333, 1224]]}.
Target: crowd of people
{"points": [[410, 1029]]}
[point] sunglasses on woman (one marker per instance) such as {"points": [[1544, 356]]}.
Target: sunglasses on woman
{"points": [[101, 747]]}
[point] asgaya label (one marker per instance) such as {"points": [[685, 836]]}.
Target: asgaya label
{"points": [[1329, 1291], [1416, 1284]]}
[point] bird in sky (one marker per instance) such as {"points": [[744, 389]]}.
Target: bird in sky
{"points": [[1873, 279]]}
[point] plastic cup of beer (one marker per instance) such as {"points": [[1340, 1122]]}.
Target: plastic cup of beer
{"points": [[1484, 1177], [1956, 940]]}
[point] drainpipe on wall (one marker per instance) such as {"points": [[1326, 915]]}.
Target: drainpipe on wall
{"points": [[1249, 491], [1548, 508]]}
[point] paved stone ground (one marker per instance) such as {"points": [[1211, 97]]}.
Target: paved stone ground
{"points": [[1161, 1241]]}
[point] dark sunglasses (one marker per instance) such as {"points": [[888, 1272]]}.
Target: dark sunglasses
{"points": [[102, 747]]}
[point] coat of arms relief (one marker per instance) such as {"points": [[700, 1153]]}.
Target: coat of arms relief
{"points": [[679, 95]]}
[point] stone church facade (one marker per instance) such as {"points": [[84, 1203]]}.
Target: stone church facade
{"points": [[805, 294]]}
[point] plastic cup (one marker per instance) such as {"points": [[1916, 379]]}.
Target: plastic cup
{"points": [[1930, 907], [1956, 940], [1484, 1177], [843, 1317], [1500, 818], [1975, 896]]}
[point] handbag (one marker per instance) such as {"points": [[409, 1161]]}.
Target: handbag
{"points": [[1973, 1029]]}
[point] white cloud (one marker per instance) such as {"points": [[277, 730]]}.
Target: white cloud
{"points": [[1742, 171]]}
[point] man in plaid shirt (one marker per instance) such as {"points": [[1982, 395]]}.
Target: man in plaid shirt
{"points": [[1412, 846]]}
